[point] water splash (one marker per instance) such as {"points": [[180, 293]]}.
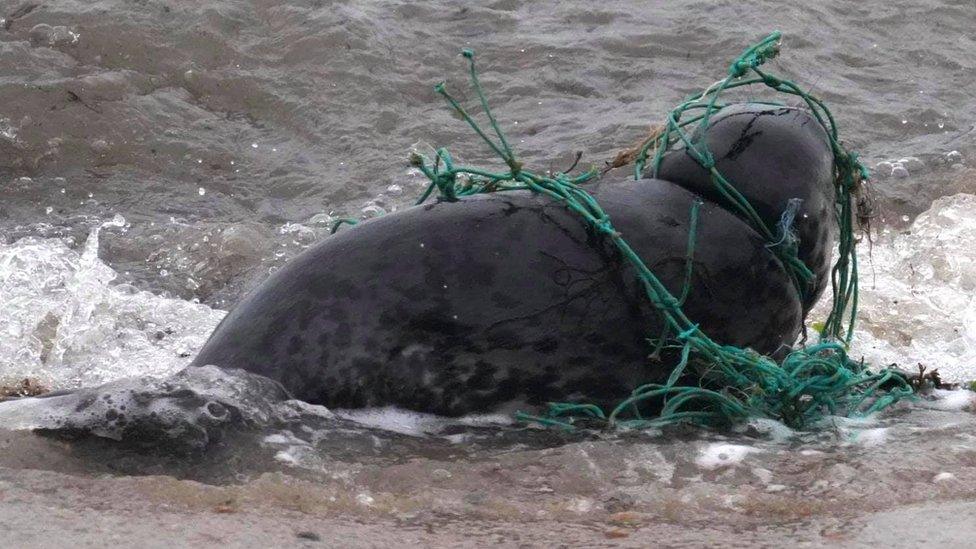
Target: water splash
{"points": [[918, 303], [64, 322]]}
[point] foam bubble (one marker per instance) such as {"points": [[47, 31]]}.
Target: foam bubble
{"points": [[868, 437], [717, 455]]}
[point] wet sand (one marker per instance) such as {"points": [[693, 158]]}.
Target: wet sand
{"points": [[43, 509]]}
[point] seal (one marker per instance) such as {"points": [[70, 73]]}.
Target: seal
{"points": [[504, 300], [771, 155]]}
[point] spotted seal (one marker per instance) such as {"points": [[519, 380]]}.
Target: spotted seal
{"points": [[501, 300]]}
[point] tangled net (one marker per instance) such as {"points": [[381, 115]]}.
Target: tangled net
{"points": [[811, 382]]}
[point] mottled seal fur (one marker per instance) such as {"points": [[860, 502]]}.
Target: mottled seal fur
{"points": [[509, 299]]}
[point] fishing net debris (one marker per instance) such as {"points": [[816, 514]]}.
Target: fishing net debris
{"points": [[813, 381]]}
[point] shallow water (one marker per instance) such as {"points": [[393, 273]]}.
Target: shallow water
{"points": [[159, 158]]}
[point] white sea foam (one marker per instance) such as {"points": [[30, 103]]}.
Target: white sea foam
{"points": [[398, 420], [961, 399], [65, 323], [718, 455], [917, 299]]}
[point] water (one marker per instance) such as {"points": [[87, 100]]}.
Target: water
{"points": [[157, 159]]}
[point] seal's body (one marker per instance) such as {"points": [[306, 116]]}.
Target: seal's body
{"points": [[508, 299]]}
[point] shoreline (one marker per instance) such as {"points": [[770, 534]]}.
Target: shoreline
{"points": [[43, 508]]}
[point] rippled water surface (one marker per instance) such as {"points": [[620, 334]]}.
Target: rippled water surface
{"points": [[159, 158]]}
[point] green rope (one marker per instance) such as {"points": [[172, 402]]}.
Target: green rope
{"points": [[343, 221], [811, 381], [848, 173], [690, 249]]}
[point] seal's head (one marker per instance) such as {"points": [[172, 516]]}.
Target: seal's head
{"points": [[780, 160]]}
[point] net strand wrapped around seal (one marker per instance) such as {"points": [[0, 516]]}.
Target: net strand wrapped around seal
{"points": [[812, 381]]}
